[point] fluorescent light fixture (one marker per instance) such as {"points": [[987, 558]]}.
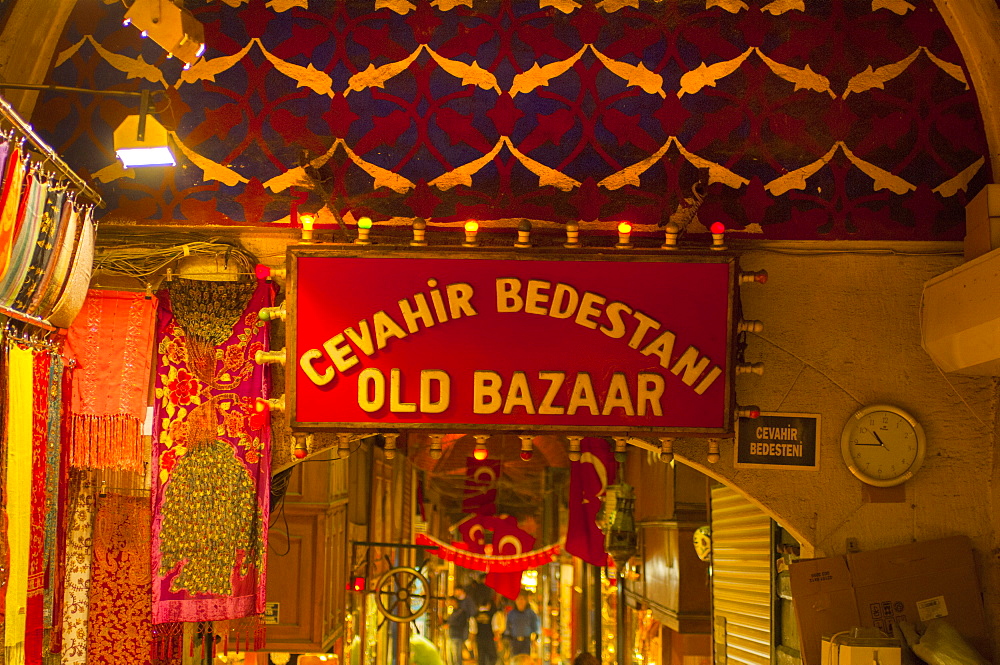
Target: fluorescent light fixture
{"points": [[155, 156], [149, 148]]}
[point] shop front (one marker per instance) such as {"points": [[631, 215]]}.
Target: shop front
{"points": [[494, 372]]}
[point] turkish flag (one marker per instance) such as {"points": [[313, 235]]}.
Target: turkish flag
{"points": [[480, 486], [508, 540], [588, 479]]}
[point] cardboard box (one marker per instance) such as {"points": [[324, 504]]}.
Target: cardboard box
{"points": [[880, 588]]}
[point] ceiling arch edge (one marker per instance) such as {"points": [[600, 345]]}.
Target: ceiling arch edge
{"points": [[975, 24]]}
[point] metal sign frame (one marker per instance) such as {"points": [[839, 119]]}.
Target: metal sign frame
{"points": [[547, 255]]}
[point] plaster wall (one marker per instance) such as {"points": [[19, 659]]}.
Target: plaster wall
{"points": [[841, 330]]}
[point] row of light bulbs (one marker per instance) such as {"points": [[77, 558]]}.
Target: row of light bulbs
{"points": [[671, 233]]}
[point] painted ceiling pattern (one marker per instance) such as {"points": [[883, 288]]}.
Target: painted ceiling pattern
{"points": [[810, 119]]}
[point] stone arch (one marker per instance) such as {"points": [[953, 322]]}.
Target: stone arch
{"points": [[975, 24]]}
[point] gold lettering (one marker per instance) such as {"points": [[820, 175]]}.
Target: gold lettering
{"points": [[306, 363], [555, 380]]}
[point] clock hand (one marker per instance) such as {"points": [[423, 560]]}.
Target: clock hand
{"points": [[877, 445], [878, 438]]}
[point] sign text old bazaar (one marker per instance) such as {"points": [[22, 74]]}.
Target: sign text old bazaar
{"points": [[453, 343]]}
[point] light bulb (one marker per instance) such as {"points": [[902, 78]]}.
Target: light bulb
{"points": [[624, 236], [480, 452], [307, 226]]}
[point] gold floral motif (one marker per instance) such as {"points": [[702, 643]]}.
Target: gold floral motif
{"points": [[211, 521]]}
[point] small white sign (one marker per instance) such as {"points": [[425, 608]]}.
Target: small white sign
{"points": [[932, 608], [147, 425]]}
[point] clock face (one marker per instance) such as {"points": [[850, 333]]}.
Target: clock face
{"points": [[883, 445]]}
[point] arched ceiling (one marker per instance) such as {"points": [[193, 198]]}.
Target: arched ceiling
{"points": [[814, 120]]}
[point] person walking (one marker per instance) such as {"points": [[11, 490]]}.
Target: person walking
{"points": [[458, 626], [486, 646], [523, 626]]}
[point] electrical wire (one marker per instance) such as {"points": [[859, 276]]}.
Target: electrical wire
{"points": [[142, 255]]}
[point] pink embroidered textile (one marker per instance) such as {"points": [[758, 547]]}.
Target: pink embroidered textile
{"points": [[112, 339], [211, 461]]}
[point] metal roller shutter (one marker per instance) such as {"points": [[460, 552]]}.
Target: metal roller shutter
{"points": [[742, 596]]}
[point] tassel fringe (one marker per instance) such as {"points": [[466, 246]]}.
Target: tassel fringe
{"points": [[107, 442]]}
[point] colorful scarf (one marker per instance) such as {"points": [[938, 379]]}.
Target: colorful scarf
{"points": [[49, 226], [76, 579], [74, 292], [19, 475], [54, 492], [51, 288], [64, 233], [25, 240], [120, 628], [64, 513], [112, 340], [211, 460], [36, 549], [10, 201]]}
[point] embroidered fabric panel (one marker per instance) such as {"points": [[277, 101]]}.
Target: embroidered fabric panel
{"points": [[120, 630], [76, 594], [211, 468], [112, 339]]}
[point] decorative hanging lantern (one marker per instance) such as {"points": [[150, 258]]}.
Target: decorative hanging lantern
{"points": [[621, 541]]}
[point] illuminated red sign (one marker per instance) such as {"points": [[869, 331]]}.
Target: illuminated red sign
{"points": [[452, 343]]}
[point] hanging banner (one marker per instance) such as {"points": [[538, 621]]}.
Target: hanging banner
{"points": [[449, 341]]}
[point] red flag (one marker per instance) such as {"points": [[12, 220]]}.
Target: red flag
{"points": [[508, 540], [480, 486], [588, 479]]}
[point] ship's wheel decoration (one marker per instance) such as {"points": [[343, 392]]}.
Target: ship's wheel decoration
{"points": [[402, 594]]}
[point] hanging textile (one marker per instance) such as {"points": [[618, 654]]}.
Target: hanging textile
{"points": [[211, 456], [10, 201], [77, 281], [25, 239], [54, 473], [588, 479], [76, 580], [18, 496], [112, 341], [50, 290], [64, 514], [48, 226], [36, 553], [120, 630], [65, 221]]}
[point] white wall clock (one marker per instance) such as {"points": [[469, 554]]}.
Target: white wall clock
{"points": [[883, 445]]}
